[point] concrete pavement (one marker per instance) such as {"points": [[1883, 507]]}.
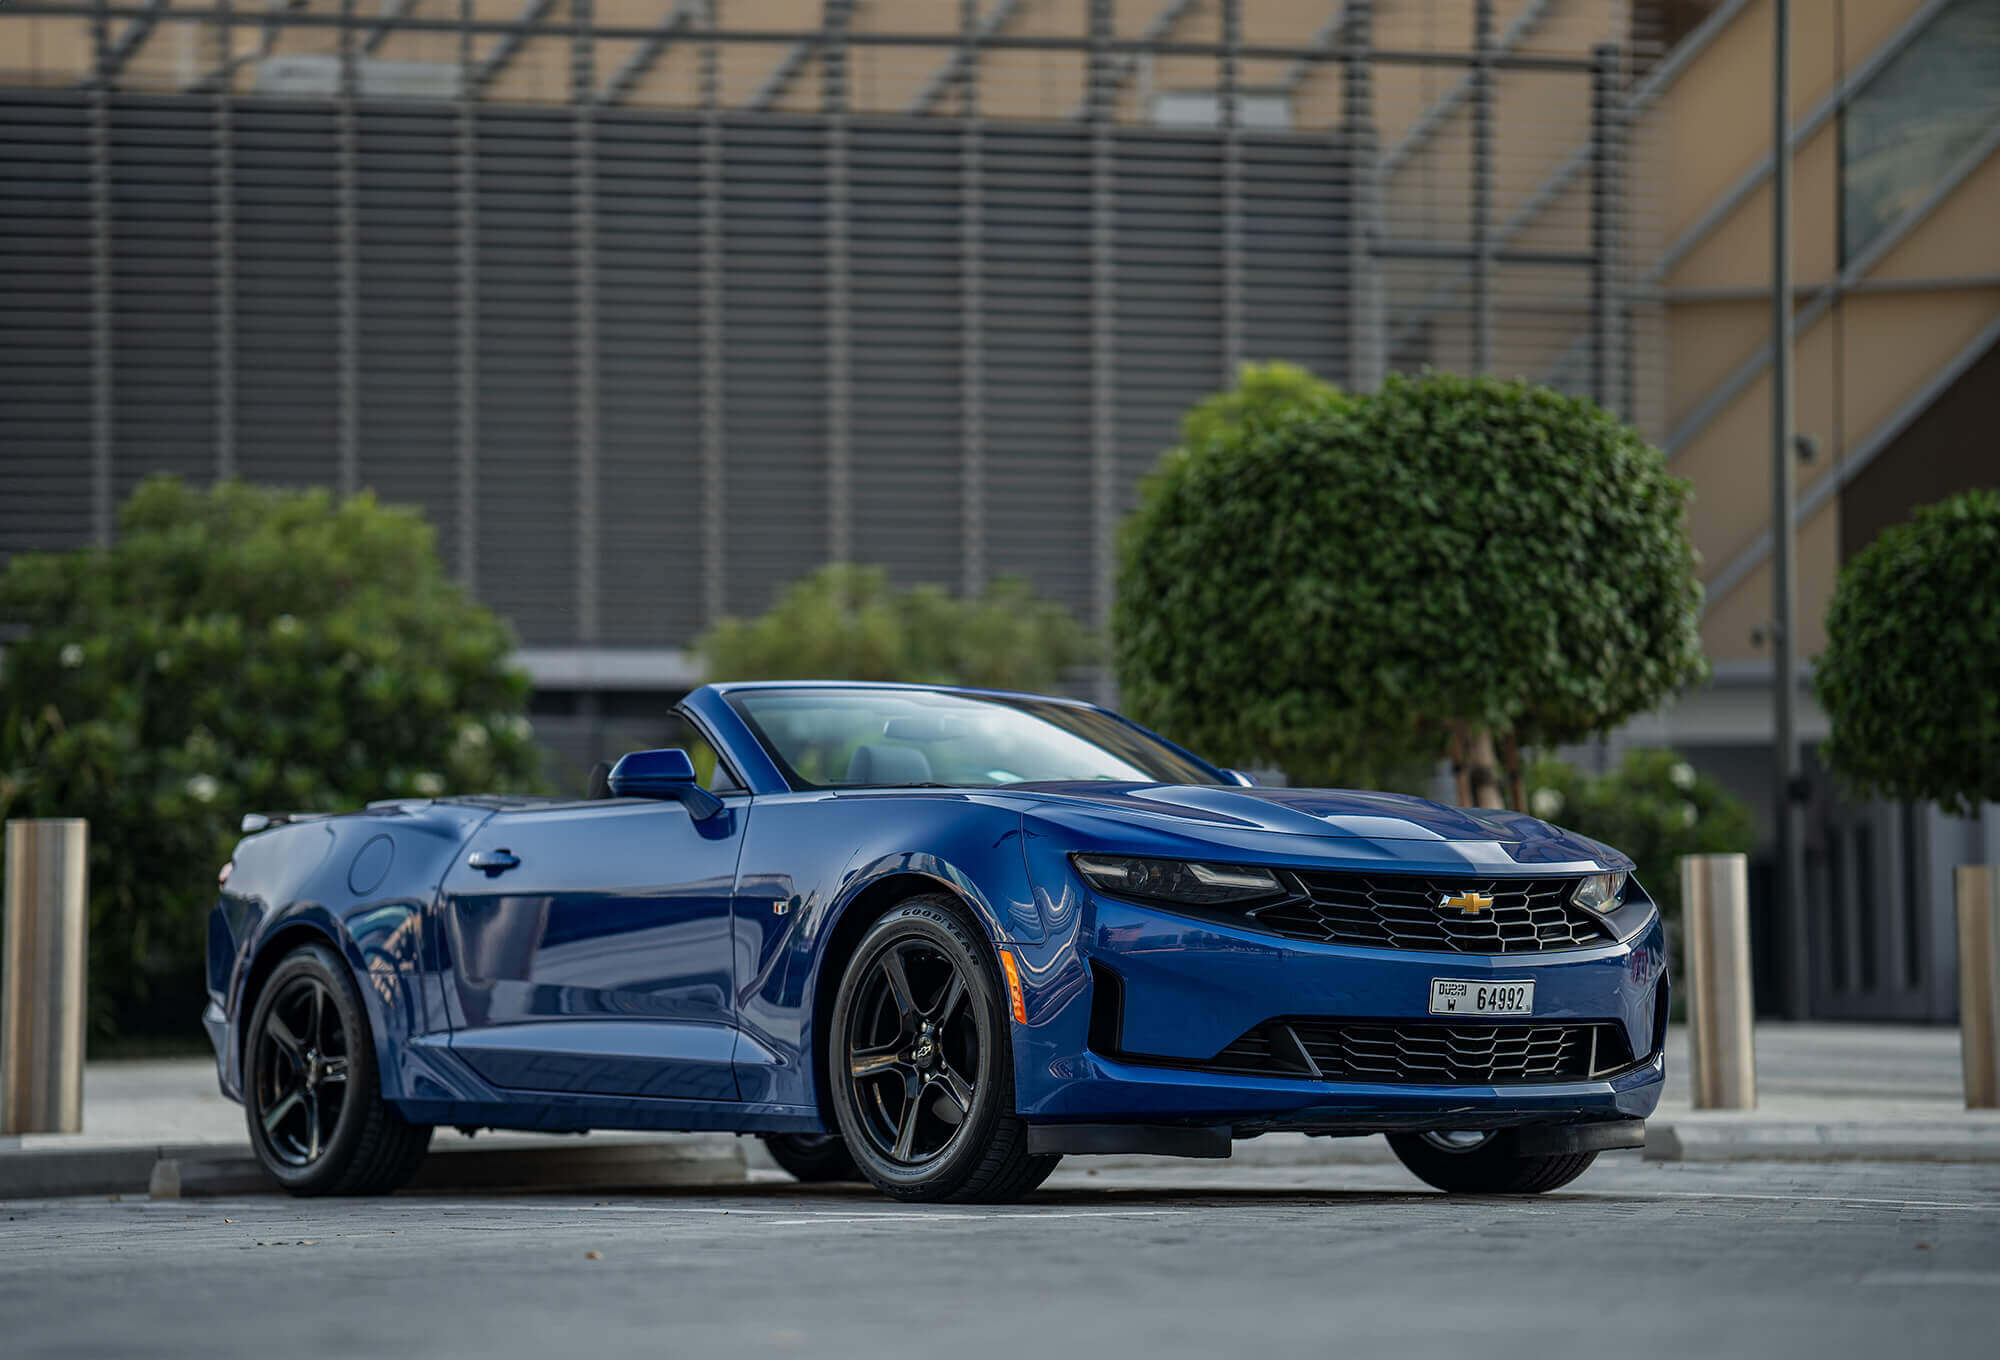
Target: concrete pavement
{"points": [[1826, 1092], [1636, 1259]]}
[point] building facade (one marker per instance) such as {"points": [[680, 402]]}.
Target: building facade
{"points": [[1896, 123]]}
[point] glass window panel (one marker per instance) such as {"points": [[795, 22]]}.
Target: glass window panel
{"points": [[1903, 132]]}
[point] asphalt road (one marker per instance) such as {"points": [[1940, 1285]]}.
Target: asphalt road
{"points": [[1173, 1259]]}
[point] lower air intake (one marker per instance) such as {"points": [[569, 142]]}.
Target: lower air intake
{"points": [[1427, 1054]]}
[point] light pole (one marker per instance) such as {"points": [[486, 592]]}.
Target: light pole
{"points": [[1790, 874]]}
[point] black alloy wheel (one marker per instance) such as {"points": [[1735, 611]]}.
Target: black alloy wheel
{"points": [[910, 1048], [922, 1064], [301, 1070], [311, 1095]]}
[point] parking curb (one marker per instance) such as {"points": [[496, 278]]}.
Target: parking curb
{"points": [[191, 1170], [1774, 1140]]}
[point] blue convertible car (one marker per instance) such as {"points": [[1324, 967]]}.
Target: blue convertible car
{"points": [[938, 937]]}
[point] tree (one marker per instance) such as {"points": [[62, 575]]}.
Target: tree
{"points": [[1910, 677], [844, 622], [1452, 566], [236, 649]]}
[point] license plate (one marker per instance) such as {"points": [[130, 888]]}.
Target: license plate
{"points": [[1450, 996]]}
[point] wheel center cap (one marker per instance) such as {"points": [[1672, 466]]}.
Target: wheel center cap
{"points": [[925, 1052]]}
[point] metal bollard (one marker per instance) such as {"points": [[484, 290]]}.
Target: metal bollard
{"points": [[1716, 892], [42, 986], [1979, 983]]}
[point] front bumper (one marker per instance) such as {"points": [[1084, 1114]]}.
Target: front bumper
{"points": [[1189, 987]]}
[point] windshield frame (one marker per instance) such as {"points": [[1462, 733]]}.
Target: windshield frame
{"points": [[734, 699]]}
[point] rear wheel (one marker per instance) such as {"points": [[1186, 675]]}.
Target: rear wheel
{"points": [[1483, 1162], [922, 1065], [311, 1095], [812, 1156]]}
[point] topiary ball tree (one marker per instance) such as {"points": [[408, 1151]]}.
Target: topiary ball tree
{"points": [[1452, 565], [1910, 677], [236, 649]]}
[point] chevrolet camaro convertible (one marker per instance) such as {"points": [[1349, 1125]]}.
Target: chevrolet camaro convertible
{"points": [[938, 938]]}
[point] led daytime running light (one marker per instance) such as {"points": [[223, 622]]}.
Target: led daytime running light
{"points": [[1600, 893]]}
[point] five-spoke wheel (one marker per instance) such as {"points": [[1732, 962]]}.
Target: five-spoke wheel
{"points": [[921, 1070], [910, 1049], [301, 1070], [311, 1097]]}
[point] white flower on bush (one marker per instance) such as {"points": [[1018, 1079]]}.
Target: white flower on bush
{"points": [[203, 788], [1682, 774], [71, 655], [1689, 814], [520, 728], [472, 736], [429, 783], [284, 625], [1546, 803]]}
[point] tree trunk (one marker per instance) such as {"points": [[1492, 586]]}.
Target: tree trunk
{"points": [[1483, 770], [1517, 783], [1462, 785]]}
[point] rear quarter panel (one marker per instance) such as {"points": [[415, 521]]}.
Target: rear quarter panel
{"points": [[361, 883]]}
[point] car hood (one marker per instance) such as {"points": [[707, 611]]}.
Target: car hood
{"points": [[1326, 813]]}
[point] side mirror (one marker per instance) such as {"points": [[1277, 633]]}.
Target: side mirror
{"points": [[1239, 779], [665, 774]]}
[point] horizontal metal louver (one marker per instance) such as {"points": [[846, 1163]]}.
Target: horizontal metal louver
{"points": [[651, 330]]}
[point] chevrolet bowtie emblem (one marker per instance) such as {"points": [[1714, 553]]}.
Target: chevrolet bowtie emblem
{"points": [[1471, 903]]}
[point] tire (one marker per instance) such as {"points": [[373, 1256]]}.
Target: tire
{"points": [[312, 1097], [812, 1157], [1491, 1167], [931, 1117]]}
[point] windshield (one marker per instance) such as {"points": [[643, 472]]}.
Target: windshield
{"points": [[872, 738]]}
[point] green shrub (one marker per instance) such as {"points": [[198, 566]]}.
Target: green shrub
{"points": [[1910, 677], [1263, 392], [236, 649], [1450, 565], [1655, 807], [844, 622]]}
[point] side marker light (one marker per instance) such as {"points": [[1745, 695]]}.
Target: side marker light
{"points": [[1014, 993]]}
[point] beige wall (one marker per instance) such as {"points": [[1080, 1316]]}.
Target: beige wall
{"points": [[1859, 360], [1014, 83]]}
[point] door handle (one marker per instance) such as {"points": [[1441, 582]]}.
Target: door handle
{"points": [[494, 862]]}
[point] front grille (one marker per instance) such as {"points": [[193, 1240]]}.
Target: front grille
{"points": [[1400, 911], [1423, 1053]]}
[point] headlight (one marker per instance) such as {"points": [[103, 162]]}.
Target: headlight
{"points": [[1600, 893], [1172, 880]]}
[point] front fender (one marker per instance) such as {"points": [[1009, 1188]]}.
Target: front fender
{"points": [[382, 947], [860, 882], [811, 862]]}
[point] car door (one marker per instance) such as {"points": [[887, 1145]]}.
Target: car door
{"points": [[589, 948]]}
